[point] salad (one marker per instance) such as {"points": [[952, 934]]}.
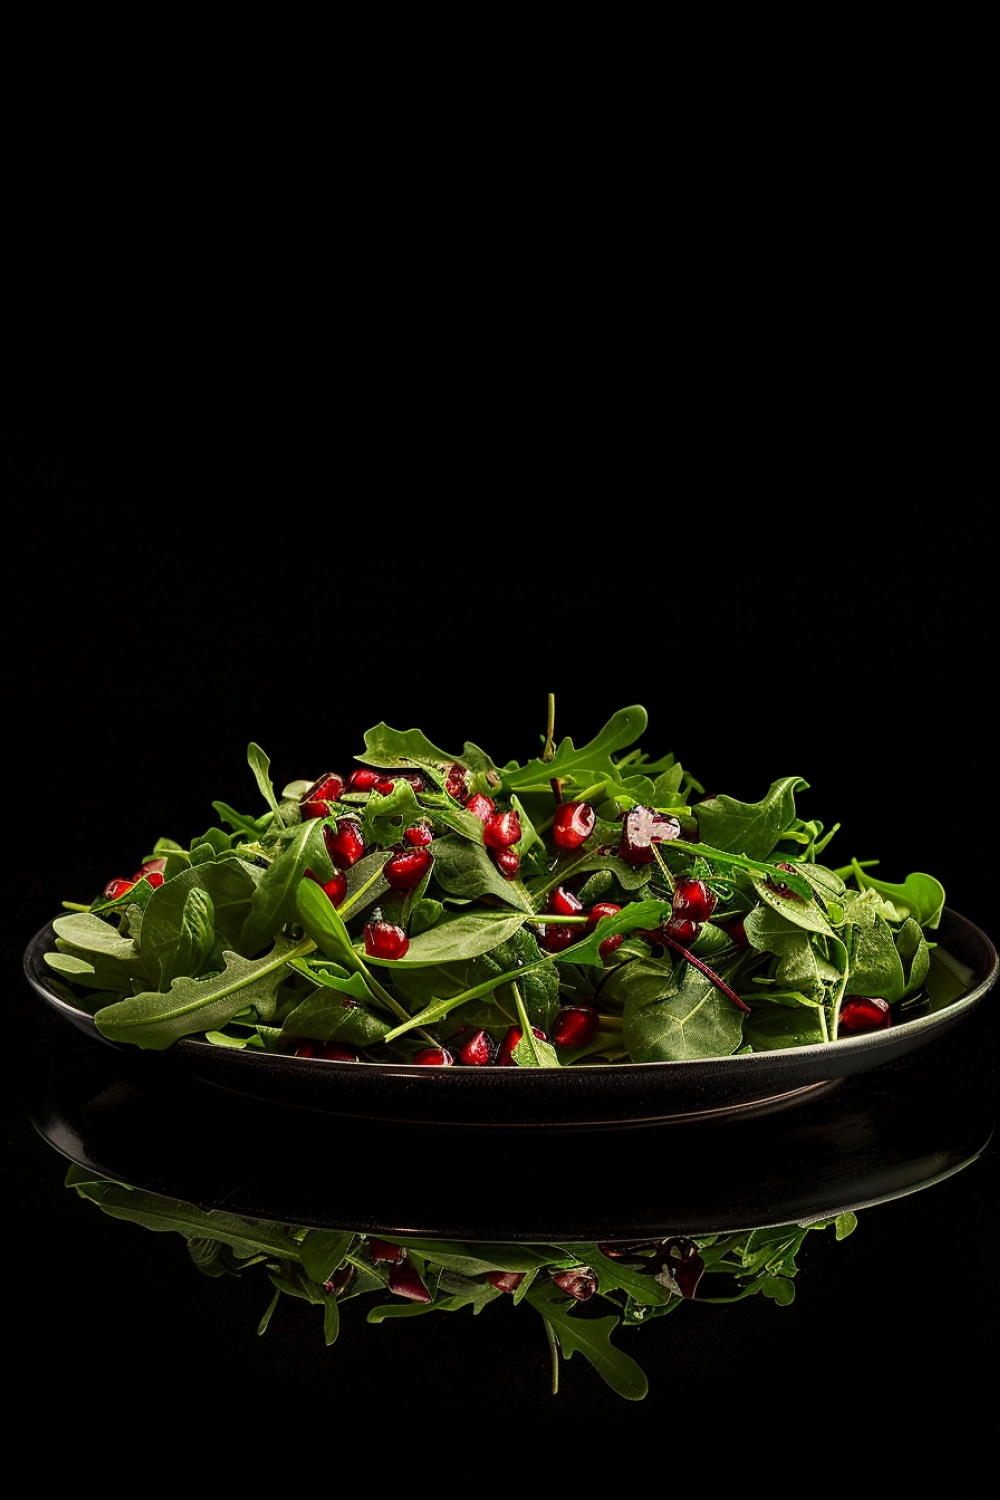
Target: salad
{"points": [[589, 906]]}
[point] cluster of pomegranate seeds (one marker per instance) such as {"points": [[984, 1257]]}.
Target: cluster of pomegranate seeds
{"points": [[151, 871], [861, 1013], [317, 801], [597, 911], [692, 903]]}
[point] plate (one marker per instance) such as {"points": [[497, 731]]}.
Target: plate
{"points": [[964, 969]]}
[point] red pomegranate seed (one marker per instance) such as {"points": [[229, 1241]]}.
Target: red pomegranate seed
{"points": [[477, 1050], [480, 806], [344, 843], [404, 1281], [419, 836], [153, 877], [456, 783], [434, 1057], [117, 888], [575, 1024], [511, 1037], [336, 888], [641, 828], [502, 829], [572, 823], [385, 1250], [385, 939], [363, 779], [564, 903], [555, 936], [383, 786], [150, 868], [864, 1013], [601, 909], [693, 898], [407, 868], [328, 1051], [316, 802], [735, 931], [611, 944], [580, 1282], [505, 1281], [508, 862], [681, 929]]}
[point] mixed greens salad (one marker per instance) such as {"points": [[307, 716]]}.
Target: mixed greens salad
{"points": [[588, 906], [583, 1293]]}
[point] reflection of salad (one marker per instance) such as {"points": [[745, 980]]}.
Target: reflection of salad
{"points": [[587, 906], [582, 1292]]}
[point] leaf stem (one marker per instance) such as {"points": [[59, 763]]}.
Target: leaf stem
{"points": [[703, 968]]}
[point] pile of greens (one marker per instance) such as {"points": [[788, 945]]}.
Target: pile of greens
{"points": [[626, 1285], [241, 946]]}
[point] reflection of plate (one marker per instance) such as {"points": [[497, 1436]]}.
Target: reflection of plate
{"points": [[964, 969], [876, 1136]]}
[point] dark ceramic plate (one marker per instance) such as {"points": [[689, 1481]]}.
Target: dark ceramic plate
{"points": [[963, 969]]}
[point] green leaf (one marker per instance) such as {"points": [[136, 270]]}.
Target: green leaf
{"points": [[322, 1251], [333, 1014], [155, 1019], [323, 923], [260, 765], [455, 938], [247, 1237], [275, 898], [750, 828], [690, 1018], [116, 960], [591, 1337], [920, 896]]}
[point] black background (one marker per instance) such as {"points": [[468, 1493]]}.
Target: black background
{"points": [[807, 589]]}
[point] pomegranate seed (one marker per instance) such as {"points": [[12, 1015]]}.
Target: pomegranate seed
{"points": [[564, 903], [505, 1281], [328, 1051], [407, 868], [508, 862], [681, 929], [641, 828], [693, 898], [680, 1257], [477, 1050], [151, 867], [316, 802], [554, 937], [340, 1280], [480, 806], [383, 786], [434, 1057], [511, 1037], [601, 909], [455, 786], [404, 1281], [363, 779], [153, 877], [575, 1024], [118, 888], [611, 944], [385, 939], [384, 1250], [580, 1282], [502, 829], [572, 823], [780, 888], [344, 843], [336, 888], [419, 836], [864, 1013]]}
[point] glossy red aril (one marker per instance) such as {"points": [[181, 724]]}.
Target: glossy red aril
{"points": [[508, 862], [579, 1282], [434, 1057], [384, 939], [363, 779], [404, 1281], [115, 889], [316, 802], [511, 1037], [384, 1250], [601, 909], [328, 1051], [505, 1281], [575, 1024], [693, 898], [457, 782], [406, 868], [681, 929], [477, 1049], [153, 877], [641, 828], [344, 843], [863, 1013], [564, 903], [572, 824], [611, 944], [480, 806], [383, 786], [336, 888], [154, 870], [555, 936], [501, 829], [419, 836]]}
